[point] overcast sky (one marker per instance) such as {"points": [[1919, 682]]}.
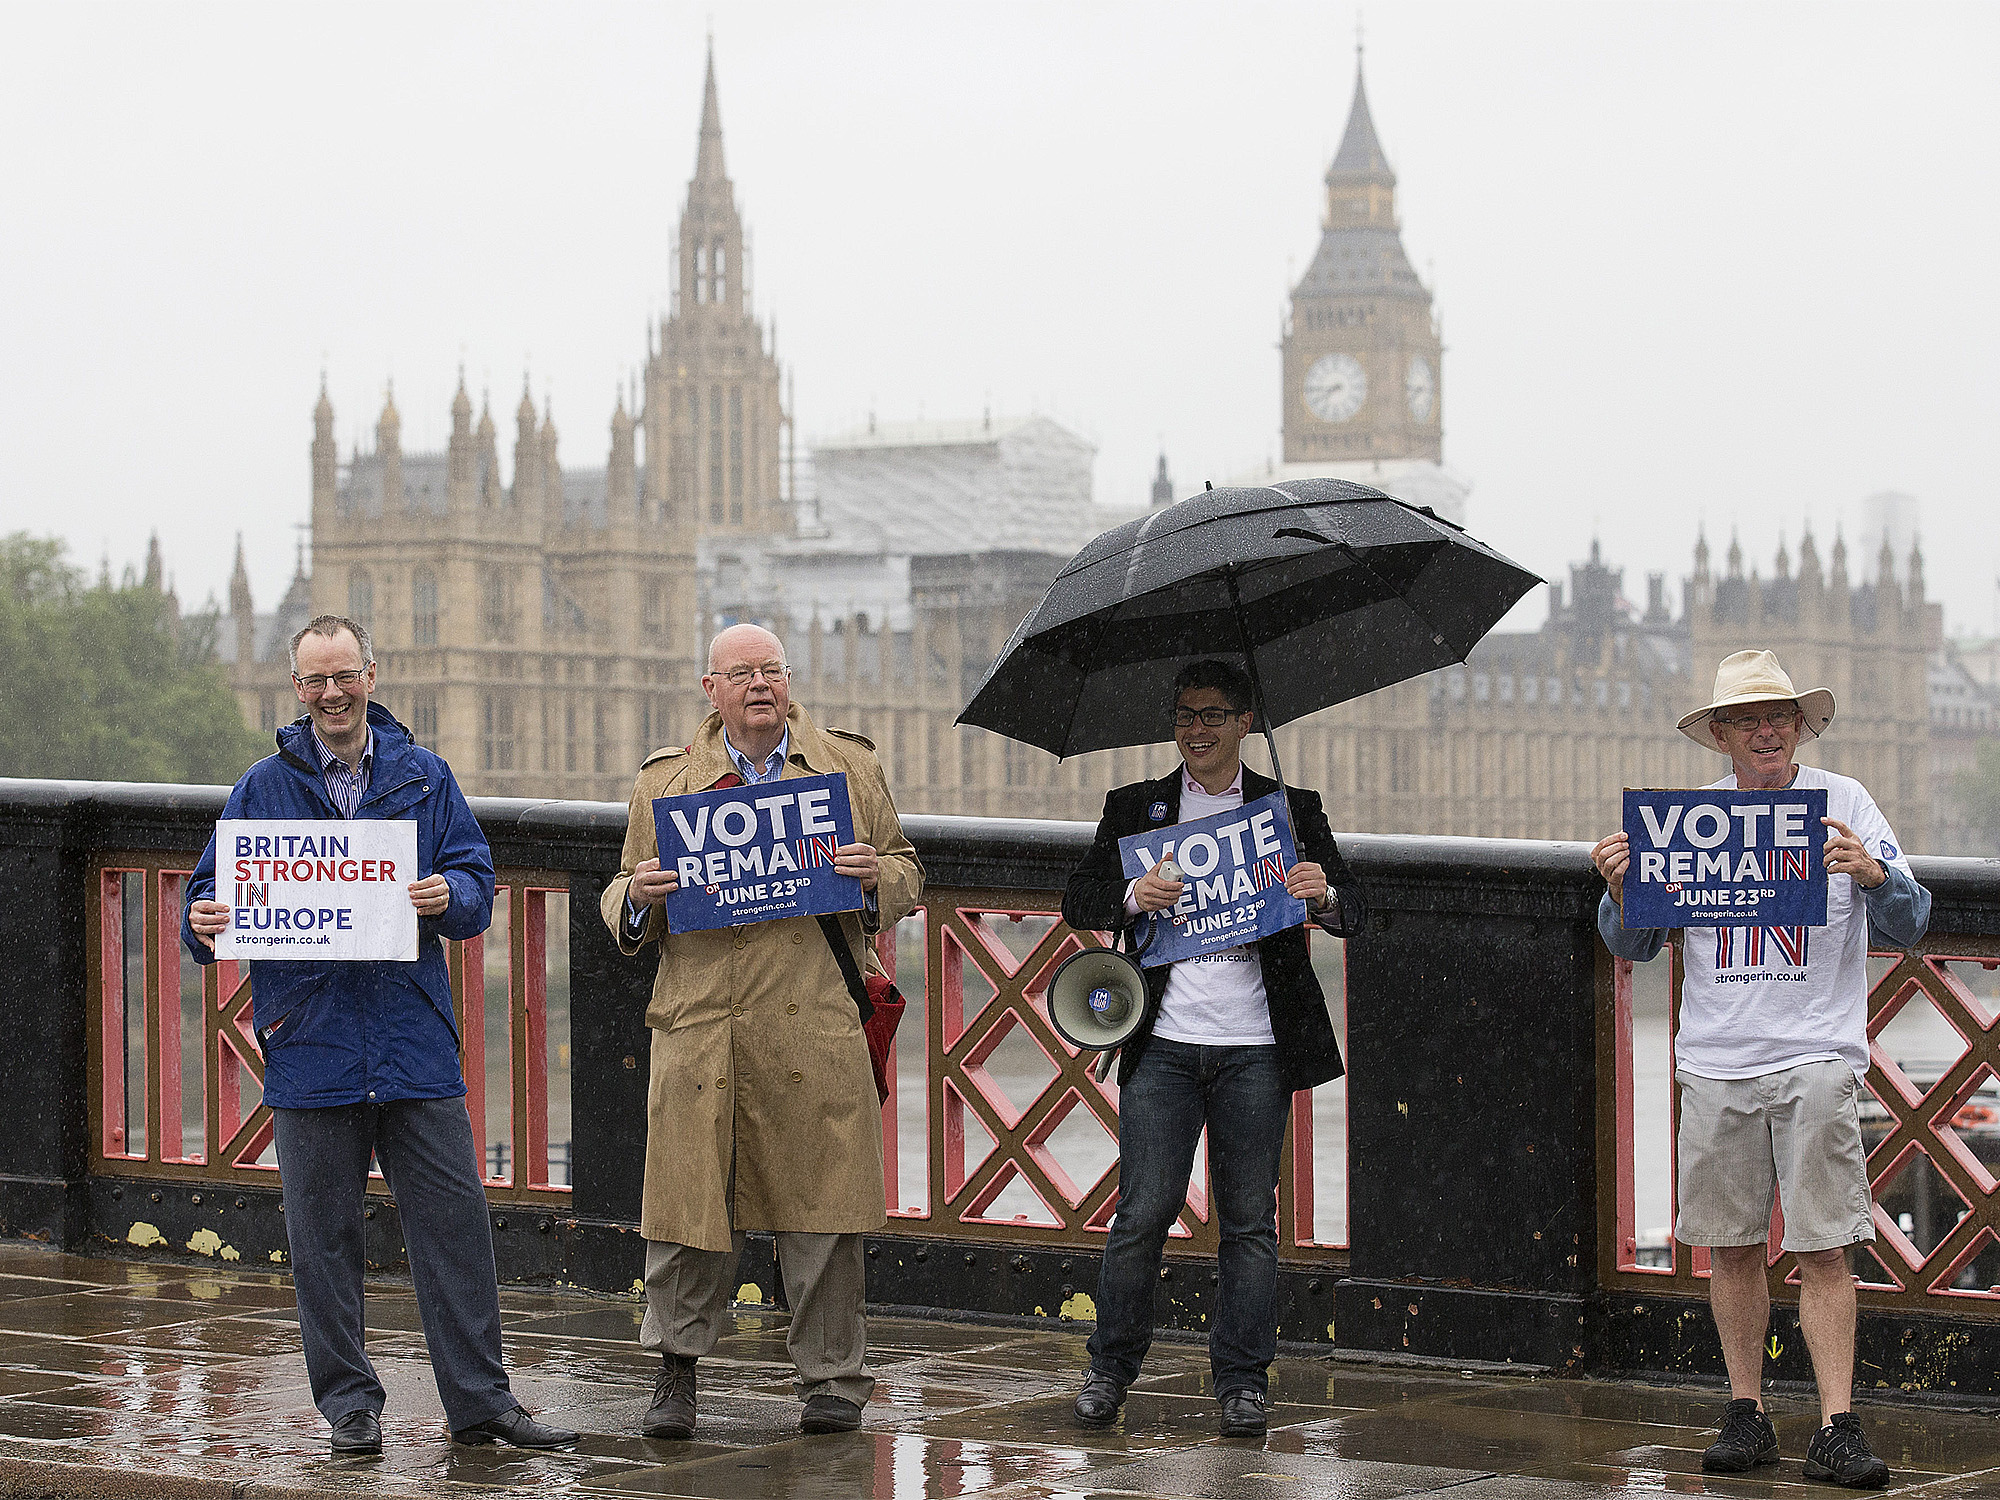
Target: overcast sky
{"points": [[1727, 263]]}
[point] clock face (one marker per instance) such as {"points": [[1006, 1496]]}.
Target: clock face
{"points": [[1336, 385], [1420, 387]]}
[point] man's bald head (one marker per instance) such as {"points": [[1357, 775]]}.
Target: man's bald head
{"points": [[748, 684], [744, 643]]}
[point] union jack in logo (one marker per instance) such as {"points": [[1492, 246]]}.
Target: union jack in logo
{"points": [[1747, 951]]}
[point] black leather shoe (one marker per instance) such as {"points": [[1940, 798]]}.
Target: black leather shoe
{"points": [[672, 1413], [827, 1412], [357, 1432], [1243, 1414], [517, 1429], [1097, 1404]]}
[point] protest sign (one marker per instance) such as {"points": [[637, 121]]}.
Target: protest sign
{"points": [[324, 890], [756, 853], [1726, 859], [1233, 865]]}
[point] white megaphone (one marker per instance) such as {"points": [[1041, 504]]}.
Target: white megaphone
{"points": [[1097, 998]]}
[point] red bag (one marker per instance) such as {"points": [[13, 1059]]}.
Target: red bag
{"points": [[876, 997]]}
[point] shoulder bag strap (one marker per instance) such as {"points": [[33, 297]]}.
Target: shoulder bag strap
{"points": [[844, 956]]}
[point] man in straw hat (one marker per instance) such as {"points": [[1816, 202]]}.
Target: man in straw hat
{"points": [[1769, 1058]]}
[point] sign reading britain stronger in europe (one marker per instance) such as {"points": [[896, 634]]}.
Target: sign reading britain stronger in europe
{"points": [[317, 889], [1726, 858], [1233, 868], [756, 853]]}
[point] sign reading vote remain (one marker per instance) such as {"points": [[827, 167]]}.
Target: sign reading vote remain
{"points": [[1734, 859], [1233, 866], [756, 853], [320, 890]]}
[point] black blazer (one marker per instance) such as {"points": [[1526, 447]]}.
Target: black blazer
{"points": [[1308, 1052]]}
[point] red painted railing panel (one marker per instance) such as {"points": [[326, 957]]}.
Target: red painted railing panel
{"points": [[1943, 1131]]}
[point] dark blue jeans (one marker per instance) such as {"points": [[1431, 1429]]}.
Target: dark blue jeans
{"points": [[1239, 1094], [426, 1151]]}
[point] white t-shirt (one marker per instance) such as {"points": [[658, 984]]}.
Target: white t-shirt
{"points": [[1216, 1000], [1762, 999]]}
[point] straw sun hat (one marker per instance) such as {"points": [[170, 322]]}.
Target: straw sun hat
{"points": [[1756, 677]]}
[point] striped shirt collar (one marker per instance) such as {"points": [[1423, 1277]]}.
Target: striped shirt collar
{"points": [[328, 756], [774, 763], [344, 785]]}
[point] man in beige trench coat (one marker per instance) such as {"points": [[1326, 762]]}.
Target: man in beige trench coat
{"points": [[761, 1111]]}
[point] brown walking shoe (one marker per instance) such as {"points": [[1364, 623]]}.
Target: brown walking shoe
{"points": [[672, 1413]]}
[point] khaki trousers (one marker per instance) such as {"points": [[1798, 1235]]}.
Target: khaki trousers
{"points": [[688, 1292]]}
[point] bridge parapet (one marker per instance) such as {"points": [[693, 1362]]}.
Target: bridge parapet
{"points": [[1471, 1191]]}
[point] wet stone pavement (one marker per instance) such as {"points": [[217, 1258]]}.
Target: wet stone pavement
{"points": [[174, 1380]]}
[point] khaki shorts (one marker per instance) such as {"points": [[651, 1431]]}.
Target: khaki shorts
{"points": [[1795, 1134]]}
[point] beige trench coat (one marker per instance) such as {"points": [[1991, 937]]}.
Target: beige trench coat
{"points": [[758, 1055]]}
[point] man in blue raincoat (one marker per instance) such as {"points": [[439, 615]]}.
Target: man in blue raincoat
{"points": [[361, 1059]]}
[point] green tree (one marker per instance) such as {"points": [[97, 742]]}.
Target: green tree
{"points": [[1978, 789], [106, 683]]}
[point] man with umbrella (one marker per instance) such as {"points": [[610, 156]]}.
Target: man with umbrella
{"points": [[1322, 591], [1226, 1040]]}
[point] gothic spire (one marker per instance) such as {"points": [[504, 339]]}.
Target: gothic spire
{"points": [[708, 159], [239, 582], [1360, 148]]}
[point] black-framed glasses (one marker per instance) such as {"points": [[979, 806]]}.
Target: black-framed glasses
{"points": [[316, 684], [770, 671], [1209, 718], [1777, 718]]}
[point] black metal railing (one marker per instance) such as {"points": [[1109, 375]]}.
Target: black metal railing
{"points": [[1467, 1192]]}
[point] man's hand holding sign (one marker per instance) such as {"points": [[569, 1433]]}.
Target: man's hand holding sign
{"points": [[1743, 857], [756, 853], [1305, 880], [431, 896], [1843, 853], [319, 889], [1240, 881]]}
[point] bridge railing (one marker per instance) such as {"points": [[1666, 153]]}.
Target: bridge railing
{"points": [[1479, 1187]]}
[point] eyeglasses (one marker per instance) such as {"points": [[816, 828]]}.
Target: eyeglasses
{"points": [[770, 671], [1777, 718], [1211, 718], [314, 685]]}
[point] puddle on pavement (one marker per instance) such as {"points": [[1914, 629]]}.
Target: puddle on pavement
{"points": [[179, 1370], [244, 1338], [1459, 1438], [853, 1465], [1245, 1472], [85, 1315]]}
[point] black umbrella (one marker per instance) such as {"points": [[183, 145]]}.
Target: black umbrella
{"points": [[1323, 590]]}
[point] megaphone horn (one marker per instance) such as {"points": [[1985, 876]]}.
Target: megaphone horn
{"points": [[1097, 998]]}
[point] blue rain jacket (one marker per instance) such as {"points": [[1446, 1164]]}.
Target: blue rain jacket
{"points": [[348, 1033]]}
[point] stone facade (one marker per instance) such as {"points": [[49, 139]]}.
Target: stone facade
{"points": [[546, 634]]}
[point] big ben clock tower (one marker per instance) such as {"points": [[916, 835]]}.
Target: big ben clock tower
{"points": [[1361, 352]]}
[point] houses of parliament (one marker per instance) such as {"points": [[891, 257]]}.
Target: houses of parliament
{"points": [[546, 633]]}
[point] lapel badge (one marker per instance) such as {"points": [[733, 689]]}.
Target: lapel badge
{"points": [[1157, 812]]}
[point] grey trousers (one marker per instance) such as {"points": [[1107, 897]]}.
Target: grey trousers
{"points": [[688, 1292], [426, 1151]]}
